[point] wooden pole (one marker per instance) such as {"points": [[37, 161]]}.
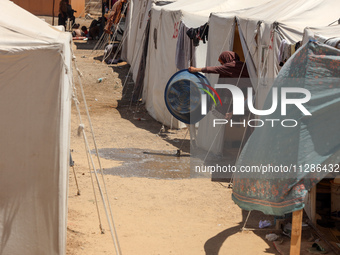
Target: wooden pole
{"points": [[295, 241], [313, 204], [53, 13]]}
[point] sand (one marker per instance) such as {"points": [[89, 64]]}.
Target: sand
{"points": [[151, 215]]}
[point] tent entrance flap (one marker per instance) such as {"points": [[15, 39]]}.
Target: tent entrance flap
{"points": [[247, 55], [237, 46]]}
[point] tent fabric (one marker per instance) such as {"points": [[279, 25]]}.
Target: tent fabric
{"points": [[314, 141], [136, 22], [263, 28], [280, 20], [164, 30], [35, 101], [213, 141], [322, 34]]}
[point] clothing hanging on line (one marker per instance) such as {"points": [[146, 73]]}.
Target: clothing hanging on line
{"points": [[114, 16], [185, 50], [286, 50], [199, 33]]}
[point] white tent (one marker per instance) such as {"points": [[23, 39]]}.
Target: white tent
{"points": [[280, 20], [165, 23], [135, 22], [262, 29], [329, 35], [35, 64]]}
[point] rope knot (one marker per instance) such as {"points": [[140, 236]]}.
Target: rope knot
{"points": [[80, 129]]}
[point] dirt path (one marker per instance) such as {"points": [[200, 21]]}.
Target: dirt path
{"points": [[152, 215]]}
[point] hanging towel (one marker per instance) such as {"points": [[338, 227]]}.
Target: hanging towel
{"points": [[185, 50]]}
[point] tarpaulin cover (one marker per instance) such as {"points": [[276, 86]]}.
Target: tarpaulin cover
{"points": [[310, 150]]}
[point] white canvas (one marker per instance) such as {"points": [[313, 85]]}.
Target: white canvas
{"points": [[35, 100], [161, 66]]}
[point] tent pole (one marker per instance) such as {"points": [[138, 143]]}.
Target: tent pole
{"points": [[295, 241], [53, 13]]}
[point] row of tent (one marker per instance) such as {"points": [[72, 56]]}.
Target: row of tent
{"points": [[261, 26], [36, 93], [256, 31]]}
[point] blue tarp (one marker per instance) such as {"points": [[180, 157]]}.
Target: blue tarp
{"points": [[308, 152]]}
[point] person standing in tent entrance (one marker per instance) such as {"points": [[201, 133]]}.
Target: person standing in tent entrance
{"points": [[236, 73]]}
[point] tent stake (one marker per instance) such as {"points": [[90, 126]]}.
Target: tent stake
{"points": [[75, 177], [74, 172], [295, 241]]}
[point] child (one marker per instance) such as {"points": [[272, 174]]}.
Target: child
{"points": [[84, 31]]}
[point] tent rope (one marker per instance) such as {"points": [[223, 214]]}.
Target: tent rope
{"points": [[81, 126], [115, 33], [245, 222], [100, 191], [239, 78], [208, 152], [106, 36], [125, 35], [100, 43], [80, 131], [256, 93], [114, 235], [338, 20]]}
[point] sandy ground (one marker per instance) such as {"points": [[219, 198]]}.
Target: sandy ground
{"points": [[151, 215], [170, 214]]}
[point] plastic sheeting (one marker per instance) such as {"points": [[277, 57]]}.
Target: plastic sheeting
{"points": [[35, 101], [308, 152]]}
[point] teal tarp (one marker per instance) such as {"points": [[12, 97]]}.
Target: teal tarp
{"points": [[309, 151]]}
